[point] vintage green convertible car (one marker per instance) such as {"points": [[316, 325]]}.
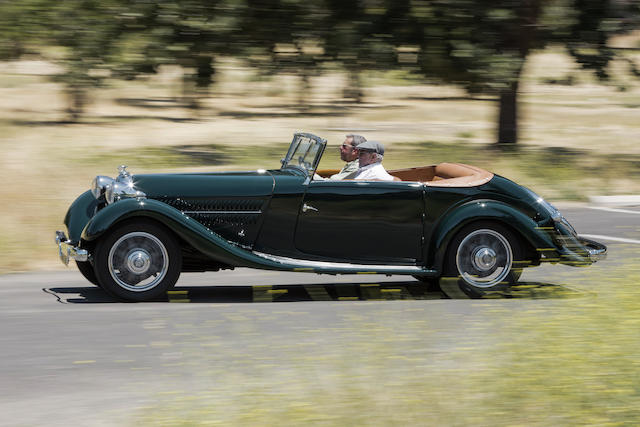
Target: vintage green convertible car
{"points": [[134, 235]]}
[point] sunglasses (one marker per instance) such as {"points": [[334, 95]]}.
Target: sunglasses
{"points": [[348, 146]]}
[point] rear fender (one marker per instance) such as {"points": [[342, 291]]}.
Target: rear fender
{"points": [[483, 210]]}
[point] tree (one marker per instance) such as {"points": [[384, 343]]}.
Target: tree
{"points": [[86, 31], [189, 33], [359, 35], [483, 46], [284, 36]]}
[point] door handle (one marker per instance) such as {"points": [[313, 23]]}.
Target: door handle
{"points": [[306, 207]]}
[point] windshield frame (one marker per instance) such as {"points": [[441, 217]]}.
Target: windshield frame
{"points": [[308, 166]]}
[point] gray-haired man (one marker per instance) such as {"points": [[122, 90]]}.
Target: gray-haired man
{"points": [[370, 155]]}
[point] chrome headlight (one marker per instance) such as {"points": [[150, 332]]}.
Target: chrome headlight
{"points": [[99, 185], [118, 190], [109, 195], [115, 189]]}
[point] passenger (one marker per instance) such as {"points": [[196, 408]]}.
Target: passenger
{"points": [[370, 155], [349, 154]]}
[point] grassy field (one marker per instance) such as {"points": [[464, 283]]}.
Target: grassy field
{"points": [[576, 140], [566, 361]]}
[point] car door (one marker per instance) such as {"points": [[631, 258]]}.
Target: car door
{"points": [[362, 221]]}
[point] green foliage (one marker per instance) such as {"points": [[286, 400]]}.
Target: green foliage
{"points": [[16, 21], [481, 46]]}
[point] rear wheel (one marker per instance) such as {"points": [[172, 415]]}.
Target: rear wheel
{"points": [[480, 259], [138, 261]]}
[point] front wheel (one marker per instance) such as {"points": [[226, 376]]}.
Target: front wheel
{"points": [[138, 261], [88, 272], [480, 259]]}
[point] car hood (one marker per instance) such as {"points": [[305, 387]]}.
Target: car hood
{"points": [[205, 185]]}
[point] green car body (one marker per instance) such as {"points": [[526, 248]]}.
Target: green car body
{"points": [[282, 219]]}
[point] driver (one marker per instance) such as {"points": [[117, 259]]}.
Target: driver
{"points": [[370, 155], [349, 154]]}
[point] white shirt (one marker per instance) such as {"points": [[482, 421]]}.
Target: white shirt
{"points": [[374, 171]]}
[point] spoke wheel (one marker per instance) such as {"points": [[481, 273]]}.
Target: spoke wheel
{"points": [[480, 259], [138, 261], [484, 258]]}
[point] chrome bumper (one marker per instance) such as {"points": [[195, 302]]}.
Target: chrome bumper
{"points": [[579, 252], [67, 251], [597, 251]]}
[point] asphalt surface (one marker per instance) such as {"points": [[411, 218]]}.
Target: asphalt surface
{"points": [[72, 355]]}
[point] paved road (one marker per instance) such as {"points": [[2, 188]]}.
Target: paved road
{"points": [[71, 355]]}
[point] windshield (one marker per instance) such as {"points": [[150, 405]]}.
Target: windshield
{"points": [[305, 152]]}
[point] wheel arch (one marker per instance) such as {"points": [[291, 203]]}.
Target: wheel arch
{"points": [[523, 227], [185, 228], [182, 227], [130, 210]]}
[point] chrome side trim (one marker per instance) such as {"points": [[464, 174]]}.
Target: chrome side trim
{"points": [[337, 265], [222, 212], [67, 251]]}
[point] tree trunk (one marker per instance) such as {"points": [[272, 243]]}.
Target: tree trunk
{"points": [[304, 92], [205, 72], [189, 92], [354, 86], [77, 100], [508, 116]]}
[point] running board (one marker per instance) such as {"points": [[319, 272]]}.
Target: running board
{"points": [[324, 267]]}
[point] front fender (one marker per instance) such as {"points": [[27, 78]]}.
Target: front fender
{"points": [[189, 230], [79, 214], [479, 210]]}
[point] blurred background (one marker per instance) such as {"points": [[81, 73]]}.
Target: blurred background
{"points": [[545, 92]]}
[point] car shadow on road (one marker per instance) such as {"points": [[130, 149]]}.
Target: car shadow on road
{"points": [[401, 290]]}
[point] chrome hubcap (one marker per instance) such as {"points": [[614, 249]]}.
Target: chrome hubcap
{"points": [[484, 258], [138, 261]]}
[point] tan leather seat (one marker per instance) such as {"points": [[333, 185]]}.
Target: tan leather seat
{"points": [[445, 175]]}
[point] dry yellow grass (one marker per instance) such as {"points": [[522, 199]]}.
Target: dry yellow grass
{"points": [[45, 164]]}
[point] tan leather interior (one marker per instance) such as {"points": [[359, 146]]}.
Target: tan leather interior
{"points": [[326, 173], [445, 175], [440, 175]]}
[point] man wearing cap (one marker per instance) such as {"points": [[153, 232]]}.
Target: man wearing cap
{"points": [[349, 154], [370, 155]]}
